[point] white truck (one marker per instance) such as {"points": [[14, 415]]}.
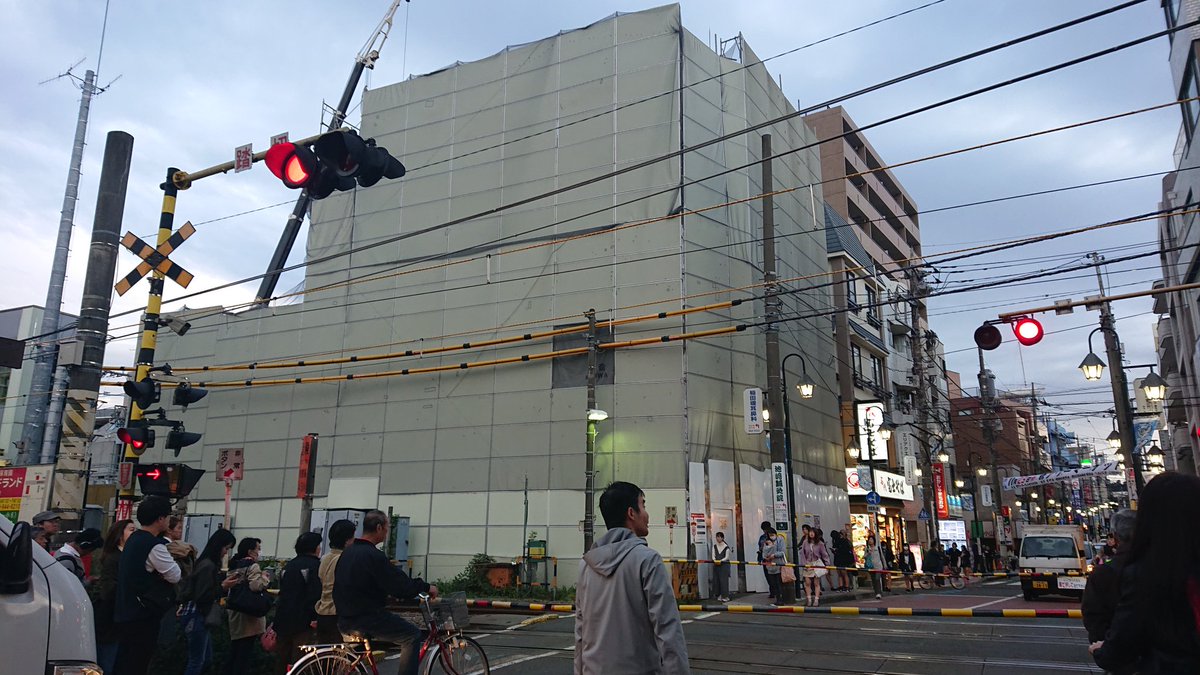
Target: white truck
{"points": [[1052, 560], [45, 615]]}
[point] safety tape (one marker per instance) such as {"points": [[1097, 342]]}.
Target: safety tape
{"points": [[894, 573], [835, 610]]}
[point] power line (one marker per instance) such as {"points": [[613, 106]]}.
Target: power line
{"points": [[747, 130]]}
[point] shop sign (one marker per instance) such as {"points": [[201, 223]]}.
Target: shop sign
{"points": [[870, 421], [890, 485], [940, 498]]}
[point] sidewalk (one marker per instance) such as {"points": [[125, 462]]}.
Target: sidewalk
{"points": [[834, 597]]}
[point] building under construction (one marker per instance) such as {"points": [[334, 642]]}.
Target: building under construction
{"points": [[483, 456]]}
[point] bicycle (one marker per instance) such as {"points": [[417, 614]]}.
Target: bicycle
{"points": [[955, 577], [444, 651]]}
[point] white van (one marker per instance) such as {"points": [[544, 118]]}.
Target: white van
{"points": [[1052, 560], [45, 613]]}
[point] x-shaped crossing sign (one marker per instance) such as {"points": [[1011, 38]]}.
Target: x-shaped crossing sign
{"points": [[156, 258]]}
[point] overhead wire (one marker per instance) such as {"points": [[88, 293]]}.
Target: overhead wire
{"points": [[750, 129]]}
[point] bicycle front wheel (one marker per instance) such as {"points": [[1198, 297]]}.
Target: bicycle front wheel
{"points": [[457, 656], [330, 662], [957, 582]]}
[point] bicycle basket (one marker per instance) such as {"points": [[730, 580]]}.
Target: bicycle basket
{"points": [[450, 611]]}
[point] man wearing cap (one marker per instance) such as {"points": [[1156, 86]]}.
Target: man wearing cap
{"points": [[50, 522], [71, 554]]}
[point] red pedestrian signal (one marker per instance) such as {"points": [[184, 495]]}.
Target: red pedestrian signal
{"points": [[1029, 331], [168, 480]]}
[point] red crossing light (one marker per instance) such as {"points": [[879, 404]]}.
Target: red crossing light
{"points": [[1028, 331], [136, 437], [293, 164]]}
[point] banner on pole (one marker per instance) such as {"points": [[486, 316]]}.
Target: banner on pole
{"points": [[940, 499], [1018, 482]]}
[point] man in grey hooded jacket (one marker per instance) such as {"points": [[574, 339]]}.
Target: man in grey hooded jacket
{"points": [[626, 618]]}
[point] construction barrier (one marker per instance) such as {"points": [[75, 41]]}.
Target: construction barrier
{"points": [[893, 573], [834, 611]]}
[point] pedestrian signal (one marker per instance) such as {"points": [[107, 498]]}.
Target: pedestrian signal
{"points": [[167, 479]]}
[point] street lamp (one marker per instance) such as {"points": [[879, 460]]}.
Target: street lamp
{"points": [[943, 457], [596, 415], [1114, 441], [1154, 386], [805, 386], [593, 416], [959, 483]]}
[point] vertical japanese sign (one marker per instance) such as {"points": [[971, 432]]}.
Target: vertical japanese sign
{"points": [[780, 495], [940, 499], [699, 526], [12, 488], [308, 466], [230, 464], [870, 422], [243, 158], [752, 410]]}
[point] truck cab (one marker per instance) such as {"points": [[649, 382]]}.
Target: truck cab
{"points": [[1052, 560], [45, 612]]}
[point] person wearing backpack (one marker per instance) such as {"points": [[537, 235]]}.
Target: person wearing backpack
{"points": [[71, 555], [244, 628], [199, 594]]}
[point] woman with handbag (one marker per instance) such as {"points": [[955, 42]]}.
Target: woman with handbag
{"points": [[249, 583], [199, 594], [772, 557], [814, 556]]}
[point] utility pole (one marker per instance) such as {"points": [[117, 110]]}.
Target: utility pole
{"points": [[1120, 386], [987, 394], [589, 469], [71, 467], [916, 292], [775, 431], [35, 429]]}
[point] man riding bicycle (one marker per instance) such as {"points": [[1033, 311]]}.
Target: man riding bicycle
{"points": [[362, 582]]}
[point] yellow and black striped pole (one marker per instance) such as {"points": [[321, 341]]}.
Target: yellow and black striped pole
{"points": [[149, 337]]}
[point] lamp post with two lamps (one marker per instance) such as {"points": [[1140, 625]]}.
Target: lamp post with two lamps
{"points": [[806, 388]]}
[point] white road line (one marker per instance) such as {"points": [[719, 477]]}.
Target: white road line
{"points": [[699, 617], [992, 602]]}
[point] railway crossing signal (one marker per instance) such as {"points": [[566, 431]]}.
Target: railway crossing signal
{"points": [[156, 259]]}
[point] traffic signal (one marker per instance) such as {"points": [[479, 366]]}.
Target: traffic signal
{"points": [[337, 161], [988, 337], [1029, 331], [137, 436], [145, 392], [186, 394], [167, 480], [178, 439]]}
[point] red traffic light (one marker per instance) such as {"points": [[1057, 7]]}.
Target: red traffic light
{"points": [[1028, 331], [292, 164], [137, 438]]}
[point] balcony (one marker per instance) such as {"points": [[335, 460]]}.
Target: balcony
{"points": [[1166, 345], [1161, 304]]}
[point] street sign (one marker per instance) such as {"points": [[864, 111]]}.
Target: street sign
{"points": [[243, 158], [873, 498], [308, 467], [874, 508], [279, 138], [752, 410], [670, 516], [156, 258], [985, 494], [125, 476], [230, 464], [923, 515], [968, 502], [779, 490]]}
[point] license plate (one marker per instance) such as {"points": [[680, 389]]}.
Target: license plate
{"points": [[1072, 583], [1041, 584]]}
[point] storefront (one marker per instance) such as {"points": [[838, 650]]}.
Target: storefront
{"points": [[886, 519]]}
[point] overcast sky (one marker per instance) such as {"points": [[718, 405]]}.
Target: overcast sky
{"points": [[194, 80]]}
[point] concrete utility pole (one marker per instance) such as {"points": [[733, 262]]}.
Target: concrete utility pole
{"points": [[1120, 386], [589, 469], [775, 431], [987, 394], [46, 353], [916, 291], [70, 471]]}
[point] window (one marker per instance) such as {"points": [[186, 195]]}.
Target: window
{"points": [[871, 314], [1191, 109], [852, 292], [876, 371], [856, 360]]}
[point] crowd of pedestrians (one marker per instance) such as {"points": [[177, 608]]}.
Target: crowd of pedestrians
{"points": [[152, 593]]}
